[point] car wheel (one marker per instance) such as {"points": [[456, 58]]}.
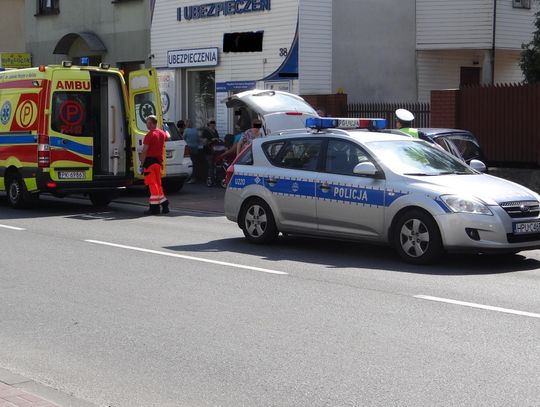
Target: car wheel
{"points": [[417, 238], [257, 222], [17, 194], [101, 199]]}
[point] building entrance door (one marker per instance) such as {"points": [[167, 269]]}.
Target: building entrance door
{"points": [[201, 96]]}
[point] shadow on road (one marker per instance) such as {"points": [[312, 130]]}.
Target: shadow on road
{"points": [[343, 254]]}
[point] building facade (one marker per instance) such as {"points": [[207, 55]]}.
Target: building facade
{"points": [[373, 50], [89, 32]]}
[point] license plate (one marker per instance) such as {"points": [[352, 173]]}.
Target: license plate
{"points": [[72, 174], [169, 153], [526, 227]]}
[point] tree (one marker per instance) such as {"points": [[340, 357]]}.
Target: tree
{"points": [[530, 55]]}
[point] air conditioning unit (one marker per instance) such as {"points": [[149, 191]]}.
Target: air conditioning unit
{"points": [[521, 4]]}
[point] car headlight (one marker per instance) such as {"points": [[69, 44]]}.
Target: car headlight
{"points": [[463, 204]]}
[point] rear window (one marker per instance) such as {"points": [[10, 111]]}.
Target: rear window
{"points": [[71, 114], [245, 157], [171, 128]]}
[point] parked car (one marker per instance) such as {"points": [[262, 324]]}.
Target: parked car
{"points": [[179, 165], [378, 187], [278, 110], [460, 143]]}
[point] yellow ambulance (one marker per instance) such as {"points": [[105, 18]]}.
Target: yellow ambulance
{"points": [[72, 129]]}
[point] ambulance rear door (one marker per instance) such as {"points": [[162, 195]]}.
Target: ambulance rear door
{"points": [[144, 100], [71, 131]]}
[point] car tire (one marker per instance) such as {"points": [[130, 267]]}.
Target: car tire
{"points": [[17, 194], [101, 199], [257, 222], [417, 237]]}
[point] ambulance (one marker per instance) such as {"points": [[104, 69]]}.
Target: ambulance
{"points": [[68, 129]]}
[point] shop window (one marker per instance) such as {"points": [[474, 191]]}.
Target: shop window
{"points": [[243, 42], [45, 7], [201, 96]]}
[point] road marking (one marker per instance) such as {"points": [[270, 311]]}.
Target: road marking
{"points": [[481, 306], [11, 227], [182, 256]]}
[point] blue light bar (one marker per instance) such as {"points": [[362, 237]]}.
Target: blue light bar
{"points": [[345, 123]]}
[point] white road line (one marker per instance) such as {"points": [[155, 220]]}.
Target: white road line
{"points": [[481, 306], [182, 256], [11, 227]]}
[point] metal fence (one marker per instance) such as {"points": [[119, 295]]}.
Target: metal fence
{"points": [[421, 111]]}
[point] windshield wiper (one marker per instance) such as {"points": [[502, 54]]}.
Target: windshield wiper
{"points": [[454, 172], [419, 174]]}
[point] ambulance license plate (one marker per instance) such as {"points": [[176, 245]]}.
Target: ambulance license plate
{"points": [[169, 153], [72, 174], [526, 227]]}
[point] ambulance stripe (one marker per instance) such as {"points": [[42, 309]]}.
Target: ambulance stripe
{"points": [[68, 156], [71, 145], [18, 84], [23, 153], [17, 139]]}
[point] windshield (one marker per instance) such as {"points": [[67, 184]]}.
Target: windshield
{"points": [[408, 157]]}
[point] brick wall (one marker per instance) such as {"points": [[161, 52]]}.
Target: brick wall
{"points": [[335, 105], [444, 108]]}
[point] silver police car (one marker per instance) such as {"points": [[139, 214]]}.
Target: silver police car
{"points": [[377, 187]]}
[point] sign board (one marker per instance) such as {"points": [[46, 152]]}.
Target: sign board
{"points": [[15, 60], [284, 86], [189, 58], [167, 90], [235, 86]]}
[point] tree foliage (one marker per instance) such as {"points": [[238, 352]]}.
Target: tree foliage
{"points": [[530, 55]]}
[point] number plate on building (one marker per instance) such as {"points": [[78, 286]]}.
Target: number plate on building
{"points": [[526, 227], [72, 174]]}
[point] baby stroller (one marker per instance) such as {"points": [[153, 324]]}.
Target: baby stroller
{"points": [[217, 166]]}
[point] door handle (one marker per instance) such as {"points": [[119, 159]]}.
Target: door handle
{"points": [[271, 181]]}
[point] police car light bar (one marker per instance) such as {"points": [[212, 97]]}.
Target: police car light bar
{"points": [[345, 123]]}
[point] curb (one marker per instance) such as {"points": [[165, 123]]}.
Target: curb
{"points": [[18, 390]]}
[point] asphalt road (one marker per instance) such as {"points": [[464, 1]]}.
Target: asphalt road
{"points": [[123, 310]]}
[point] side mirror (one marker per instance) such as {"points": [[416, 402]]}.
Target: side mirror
{"points": [[366, 168], [478, 165]]}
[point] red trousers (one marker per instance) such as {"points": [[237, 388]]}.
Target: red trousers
{"points": [[152, 178]]}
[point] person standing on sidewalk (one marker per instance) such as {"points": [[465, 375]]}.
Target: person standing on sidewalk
{"points": [[152, 158]]}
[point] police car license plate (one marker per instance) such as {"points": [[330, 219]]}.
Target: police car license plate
{"points": [[72, 174], [169, 154], [526, 227]]}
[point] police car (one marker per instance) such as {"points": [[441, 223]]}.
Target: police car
{"points": [[376, 187]]}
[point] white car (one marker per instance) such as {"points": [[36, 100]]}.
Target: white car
{"points": [[179, 166], [278, 110], [377, 187]]}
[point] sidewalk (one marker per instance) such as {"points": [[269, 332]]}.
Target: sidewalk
{"points": [[18, 391], [196, 197]]}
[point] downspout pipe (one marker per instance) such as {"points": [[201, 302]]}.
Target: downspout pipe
{"points": [[493, 42]]}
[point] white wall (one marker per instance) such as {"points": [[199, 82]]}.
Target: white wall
{"points": [[514, 26], [374, 50], [454, 24], [12, 26], [315, 58], [278, 24]]}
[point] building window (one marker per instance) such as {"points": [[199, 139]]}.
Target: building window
{"points": [[521, 4], [48, 7]]}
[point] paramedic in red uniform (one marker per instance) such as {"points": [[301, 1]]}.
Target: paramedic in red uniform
{"points": [[152, 158]]}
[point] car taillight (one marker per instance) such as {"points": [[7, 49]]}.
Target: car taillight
{"points": [[187, 151], [229, 173], [44, 151]]}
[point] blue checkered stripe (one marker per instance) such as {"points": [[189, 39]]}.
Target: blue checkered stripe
{"points": [[309, 189]]}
